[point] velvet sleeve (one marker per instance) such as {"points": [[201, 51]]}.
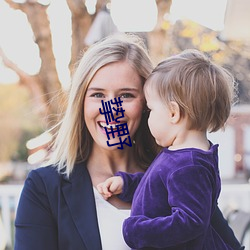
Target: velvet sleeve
{"points": [[131, 182], [190, 193], [34, 223], [221, 226]]}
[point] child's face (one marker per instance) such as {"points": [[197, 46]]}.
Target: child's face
{"points": [[159, 120]]}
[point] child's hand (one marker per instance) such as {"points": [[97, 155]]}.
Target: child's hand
{"points": [[111, 186]]}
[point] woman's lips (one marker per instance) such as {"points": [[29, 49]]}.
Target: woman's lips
{"points": [[112, 125]]}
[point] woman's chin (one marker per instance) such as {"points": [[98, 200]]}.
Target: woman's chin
{"points": [[117, 143]]}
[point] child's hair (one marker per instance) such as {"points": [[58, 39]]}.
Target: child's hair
{"points": [[203, 90]]}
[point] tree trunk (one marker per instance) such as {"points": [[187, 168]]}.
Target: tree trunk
{"points": [[81, 22], [46, 81]]}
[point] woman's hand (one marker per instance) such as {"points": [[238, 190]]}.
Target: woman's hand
{"points": [[111, 186]]}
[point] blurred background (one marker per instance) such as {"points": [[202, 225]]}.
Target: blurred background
{"points": [[42, 40]]}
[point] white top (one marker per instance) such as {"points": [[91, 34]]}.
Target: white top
{"points": [[110, 220]]}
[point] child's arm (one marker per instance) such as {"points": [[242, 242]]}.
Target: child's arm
{"points": [[111, 186], [131, 182], [123, 184], [189, 192]]}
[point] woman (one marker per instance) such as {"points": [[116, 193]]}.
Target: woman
{"points": [[59, 207]]}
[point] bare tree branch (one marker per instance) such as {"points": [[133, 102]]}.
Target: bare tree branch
{"points": [[81, 22], [9, 64], [47, 78], [26, 80], [13, 5]]}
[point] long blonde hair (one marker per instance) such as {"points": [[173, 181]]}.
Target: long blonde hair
{"points": [[73, 142]]}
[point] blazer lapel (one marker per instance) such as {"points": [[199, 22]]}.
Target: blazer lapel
{"points": [[79, 195]]}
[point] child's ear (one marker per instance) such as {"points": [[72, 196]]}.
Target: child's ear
{"points": [[175, 112]]}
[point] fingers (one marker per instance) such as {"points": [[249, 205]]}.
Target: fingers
{"points": [[111, 186], [103, 190], [114, 187]]}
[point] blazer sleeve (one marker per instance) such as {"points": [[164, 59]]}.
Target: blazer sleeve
{"points": [[221, 226], [35, 225]]}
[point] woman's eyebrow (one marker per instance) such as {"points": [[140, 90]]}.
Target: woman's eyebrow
{"points": [[95, 89], [129, 89], [122, 89]]}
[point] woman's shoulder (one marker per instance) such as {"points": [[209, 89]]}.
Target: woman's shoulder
{"points": [[45, 172], [49, 175], [51, 169], [44, 178]]}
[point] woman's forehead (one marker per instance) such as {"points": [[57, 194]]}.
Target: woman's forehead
{"points": [[116, 75]]}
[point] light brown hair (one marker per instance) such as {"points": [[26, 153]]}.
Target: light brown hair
{"points": [[203, 90], [73, 142]]}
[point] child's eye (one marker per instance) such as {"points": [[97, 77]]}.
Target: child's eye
{"points": [[127, 95], [97, 95]]}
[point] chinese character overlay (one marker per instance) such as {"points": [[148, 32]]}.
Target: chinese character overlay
{"points": [[121, 143], [107, 111], [115, 129]]}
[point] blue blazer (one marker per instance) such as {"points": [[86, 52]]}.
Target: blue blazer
{"points": [[57, 213]]}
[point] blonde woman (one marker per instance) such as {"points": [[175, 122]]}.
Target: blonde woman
{"points": [[60, 207]]}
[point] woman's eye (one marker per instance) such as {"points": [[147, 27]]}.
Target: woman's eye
{"points": [[97, 95], [127, 95]]}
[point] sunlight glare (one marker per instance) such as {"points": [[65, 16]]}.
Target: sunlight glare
{"points": [[37, 157], [44, 2], [7, 75], [207, 13], [91, 6], [19, 46], [39, 141], [130, 16], [61, 38]]}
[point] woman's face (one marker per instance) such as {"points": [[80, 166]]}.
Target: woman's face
{"points": [[114, 80]]}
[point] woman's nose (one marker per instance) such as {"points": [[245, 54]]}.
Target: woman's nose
{"points": [[112, 109]]}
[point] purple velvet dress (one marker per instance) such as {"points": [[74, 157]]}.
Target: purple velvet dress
{"points": [[174, 202]]}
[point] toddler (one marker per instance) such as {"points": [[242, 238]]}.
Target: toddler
{"points": [[188, 96]]}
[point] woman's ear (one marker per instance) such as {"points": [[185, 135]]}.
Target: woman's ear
{"points": [[174, 112]]}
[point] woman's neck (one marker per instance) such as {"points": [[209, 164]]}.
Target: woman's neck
{"points": [[103, 164]]}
